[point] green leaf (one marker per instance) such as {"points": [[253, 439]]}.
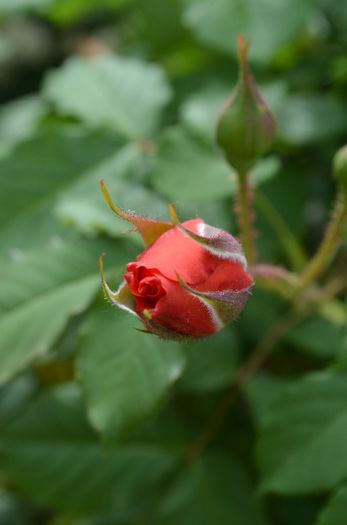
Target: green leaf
{"points": [[9, 6], [271, 25], [303, 441], [336, 510], [61, 465], [200, 111], [63, 278], [66, 11], [11, 512], [191, 169], [260, 392], [310, 119], [15, 396], [157, 27], [214, 489], [124, 373], [124, 95], [318, 337], [211, 362], [19, 120], [83, 206], [34, 174]]}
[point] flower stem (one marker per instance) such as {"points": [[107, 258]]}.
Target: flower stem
{"points": [[329, 244], [245, 218]]}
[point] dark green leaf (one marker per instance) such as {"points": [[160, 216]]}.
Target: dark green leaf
{"points": [[52, 455], [318, 337], [303, 441], [211, 362], [214, 489], [336, 511]]}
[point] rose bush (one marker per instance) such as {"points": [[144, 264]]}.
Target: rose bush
{"points": [[190, 281]]}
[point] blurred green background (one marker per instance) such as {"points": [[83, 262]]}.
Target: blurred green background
{"points": [[94, 416]]}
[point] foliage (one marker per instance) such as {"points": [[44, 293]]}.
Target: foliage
{"points": [[100, 423]]}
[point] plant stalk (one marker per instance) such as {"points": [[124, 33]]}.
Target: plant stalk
{"points": [[329, 244], [245, 218]]}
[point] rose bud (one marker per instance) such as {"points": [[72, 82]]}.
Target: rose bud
{"points": [[190, 281], [246, 126], [340, 166]]}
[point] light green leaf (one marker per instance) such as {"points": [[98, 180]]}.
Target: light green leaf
{"points": [[200, 111], [214, 489], [336, 511], [60, 463], [19, 120], [11, 511], [310, 119], [303, 441], [82, 204], [191, 169], [124, 95], [39, 292], [211, 362], [124, 373], [270, 24], [9, 6], [34, 174]]}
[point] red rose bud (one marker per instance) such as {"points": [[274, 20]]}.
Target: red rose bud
{"points": [[246, 126], [340, 166], [190, 281]]}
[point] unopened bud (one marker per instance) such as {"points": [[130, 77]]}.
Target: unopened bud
{"points": [[246, 126], [340, 166]]}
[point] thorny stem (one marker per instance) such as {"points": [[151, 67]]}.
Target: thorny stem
{"points": [[256, 360], [329, 245], [245, 217]]}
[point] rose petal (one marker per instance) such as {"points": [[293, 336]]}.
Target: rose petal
{"points": [[184, 313], [228, 275], [145, 285], [174, 252], [218, 242]]}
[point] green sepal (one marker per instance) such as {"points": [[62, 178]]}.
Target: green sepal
{"points": [[122, 298], [226, 304], [149, 229]]}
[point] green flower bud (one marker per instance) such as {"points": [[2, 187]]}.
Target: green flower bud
{"points": [[340, 166], [246, 126]]}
